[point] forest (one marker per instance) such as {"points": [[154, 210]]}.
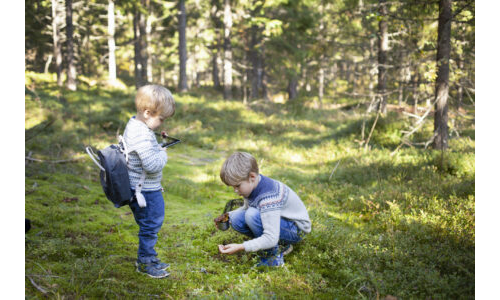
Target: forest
{"points": [[366, 108]]}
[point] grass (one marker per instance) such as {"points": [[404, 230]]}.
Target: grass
{"points": [[400, 225]]}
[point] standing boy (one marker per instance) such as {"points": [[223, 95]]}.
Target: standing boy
{"points": [[146, 160], [272, 212]]}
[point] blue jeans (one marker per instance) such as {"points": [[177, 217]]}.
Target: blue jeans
{"points": [[249, 223], [149, 219]]}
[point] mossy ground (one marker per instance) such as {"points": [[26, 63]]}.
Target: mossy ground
{"points": [[400, 225]]}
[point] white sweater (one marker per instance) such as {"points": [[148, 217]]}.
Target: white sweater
{"points": [[144, 154]]}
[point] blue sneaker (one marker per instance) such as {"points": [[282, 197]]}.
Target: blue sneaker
{"points": [[151, 270], [271, 261], [157, 263]]}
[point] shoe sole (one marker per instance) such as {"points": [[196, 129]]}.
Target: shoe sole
{"points": [[152, 276], [267, 266], [164, 269], [287, 251]]}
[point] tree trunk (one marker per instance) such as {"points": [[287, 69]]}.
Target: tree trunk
{"points": [[265, 88], [149, 51], [215, 48], [343, 69], [416, 92], [215, 69], [111, 42], [47, 64], [138, 61], [401, 79], [383, 46], [321, 80], [460, 89], [372, 73], [71, 80], [347, 65], [56, 21], [354, 79], [194, 72], [292, 88], [228, 67], [334, 72], [254, 60], [244, 80], [304, 82], [143, 42], [264, 83], [183, 87], [441, 92], [140, 46]]}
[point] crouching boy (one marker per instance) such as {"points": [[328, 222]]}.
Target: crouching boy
{"points": [[272, 213]]}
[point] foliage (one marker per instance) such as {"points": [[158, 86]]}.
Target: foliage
{"points": [[400, 225], [285, 40]]}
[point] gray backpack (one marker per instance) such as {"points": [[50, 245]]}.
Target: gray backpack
{"points": [[112, 162]]}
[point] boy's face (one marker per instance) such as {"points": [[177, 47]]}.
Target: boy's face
{"points": [[152, 121], [246, 187]]}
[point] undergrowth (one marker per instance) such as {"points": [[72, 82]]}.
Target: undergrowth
{"points": [[400, 225]]}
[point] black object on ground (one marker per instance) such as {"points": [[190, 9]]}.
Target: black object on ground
{"points": [[27, 225]]}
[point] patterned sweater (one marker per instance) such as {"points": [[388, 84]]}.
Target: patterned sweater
{"points": [[144, 154], [274, 200]]}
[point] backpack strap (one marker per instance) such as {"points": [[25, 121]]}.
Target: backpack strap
{"points": [[94, 157], [138, 188], [121, 141]]}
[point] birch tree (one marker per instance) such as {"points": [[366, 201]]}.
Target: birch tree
{"points": [[182, 47], [111, 43], [228, 66], [56, 24], [71, 68]]}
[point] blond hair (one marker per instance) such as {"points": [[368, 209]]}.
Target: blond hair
{"points": [[156, 99], [237, 168]]}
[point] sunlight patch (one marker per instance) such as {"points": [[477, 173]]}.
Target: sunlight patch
{"points": [[295, 157]]}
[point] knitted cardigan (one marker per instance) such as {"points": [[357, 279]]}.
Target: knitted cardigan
{"points": [[144, 154], [274, 200]]}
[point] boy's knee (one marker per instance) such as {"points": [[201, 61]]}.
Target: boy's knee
{"points": [[252, 216], [237, 220]]}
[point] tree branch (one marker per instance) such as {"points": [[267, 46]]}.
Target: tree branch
{"points": [[42, 290], [54, 161]]}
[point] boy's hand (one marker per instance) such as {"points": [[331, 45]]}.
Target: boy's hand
{"points": [[230, 248]]}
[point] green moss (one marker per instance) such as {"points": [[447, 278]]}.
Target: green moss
{"points": [[401, 225]]}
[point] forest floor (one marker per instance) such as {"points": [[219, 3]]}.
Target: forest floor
{"points": [[382, 225]]}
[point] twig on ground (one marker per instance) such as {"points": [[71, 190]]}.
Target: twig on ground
{"points": [[41, 275], [31, 133], [42, 290], [33, 91], [418, 124], [27, 160], [470, 97], [373, 128], [357, 278], [54, 161], [335, 168], [369, 109], [427, 143], [411, 115]]}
